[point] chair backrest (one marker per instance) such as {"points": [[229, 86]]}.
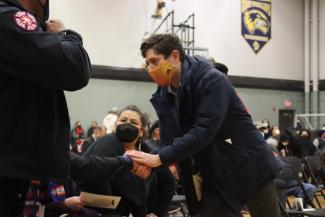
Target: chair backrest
{"points": [[298, 168], [313, 163], [313, 167], [294, 164]]}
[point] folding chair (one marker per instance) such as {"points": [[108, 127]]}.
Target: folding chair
{"points": [[179, 204], [296, 174], [313, 171], [297, 213]]}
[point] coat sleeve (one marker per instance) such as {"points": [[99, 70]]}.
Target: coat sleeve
{"points": [[214, 97], [53, 60], [93, 168]]}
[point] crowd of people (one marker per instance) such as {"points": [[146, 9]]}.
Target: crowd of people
{"points": [[298, 141]]}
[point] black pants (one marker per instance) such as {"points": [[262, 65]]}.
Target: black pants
{"points": [[263, 203], [161, 190], [12, 196]]}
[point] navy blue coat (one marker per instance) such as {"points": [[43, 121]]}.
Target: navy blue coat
{"points": [[36, 66], [196, 122]]}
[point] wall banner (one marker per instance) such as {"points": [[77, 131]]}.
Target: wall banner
{"points": [[256, 22]]}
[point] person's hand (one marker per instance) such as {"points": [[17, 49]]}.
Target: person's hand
{"points": [[141, 170], [54, 26], [74, 203], [143, 158], [173, 170]]}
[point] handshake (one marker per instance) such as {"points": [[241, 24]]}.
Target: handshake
{"points": [[144, 162]]}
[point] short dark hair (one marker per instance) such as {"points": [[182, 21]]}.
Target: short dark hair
{"points": [[154, 125], [219, 66], [321, 132], [163, 44]]}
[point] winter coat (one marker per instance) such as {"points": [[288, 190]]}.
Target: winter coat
{"points": [[207, 129], [36, 66]]}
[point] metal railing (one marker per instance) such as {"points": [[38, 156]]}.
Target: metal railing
{"points": [[185, 30]]}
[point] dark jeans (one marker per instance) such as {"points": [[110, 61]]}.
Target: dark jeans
{"points": [[12, 196], [263, 203], [161, 190]]}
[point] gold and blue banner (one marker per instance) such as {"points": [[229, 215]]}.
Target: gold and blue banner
{"points": [[256, 22]]}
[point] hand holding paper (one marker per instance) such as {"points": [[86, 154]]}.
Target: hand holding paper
{"points": [[74, 203]]}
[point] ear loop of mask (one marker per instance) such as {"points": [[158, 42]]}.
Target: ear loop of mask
{"points": [[169, 70], [171, 66]]}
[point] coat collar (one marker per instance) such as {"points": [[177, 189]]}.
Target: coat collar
{"points": [[186, 71], [15, 3]]}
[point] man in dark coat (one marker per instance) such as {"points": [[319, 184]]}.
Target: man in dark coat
{"points": [[206, 128], [39, 59], [93, 168]]}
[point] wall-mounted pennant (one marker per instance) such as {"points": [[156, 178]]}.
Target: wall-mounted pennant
{"points": [[256, 22]]}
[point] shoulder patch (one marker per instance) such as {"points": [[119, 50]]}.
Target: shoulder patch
{"points": [[25, 21]]}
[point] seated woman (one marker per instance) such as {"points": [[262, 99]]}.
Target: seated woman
{"points": [[138, 196]]}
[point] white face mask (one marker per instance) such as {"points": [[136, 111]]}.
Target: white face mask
{"points": [[265, 124], [304, 134], [109, 122]]}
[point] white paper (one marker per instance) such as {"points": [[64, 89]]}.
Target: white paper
{"points": [[100, 201]]}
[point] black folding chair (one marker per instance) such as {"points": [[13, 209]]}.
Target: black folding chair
{"points": [[299, 213], [313, 169], [313, 173], [296, 173], [178, 205]]}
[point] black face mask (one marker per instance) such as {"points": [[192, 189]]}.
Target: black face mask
{"points": [[126, 132]]}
